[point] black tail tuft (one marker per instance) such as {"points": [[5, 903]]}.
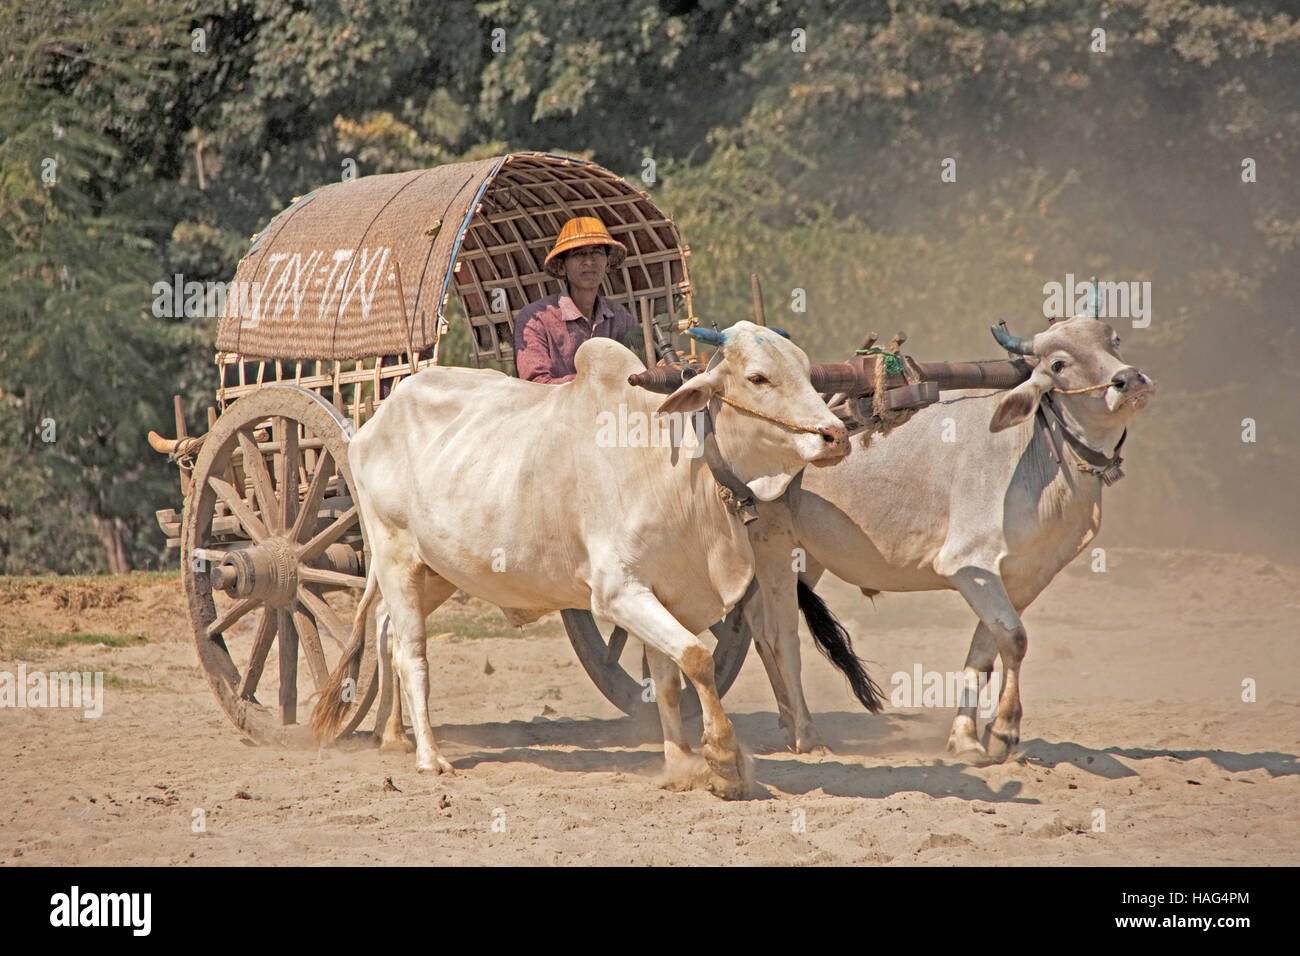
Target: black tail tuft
{"points": [[834, 641]]}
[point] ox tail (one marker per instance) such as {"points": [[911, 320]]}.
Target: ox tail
{"points": [[332, 707], [836, 644]]}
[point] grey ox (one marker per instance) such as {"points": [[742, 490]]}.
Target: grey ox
{"points": [[993, 513], [470, 479]]}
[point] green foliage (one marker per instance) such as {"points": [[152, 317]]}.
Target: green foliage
{"points": [[625, 82], [455, 347], [81, 365]]}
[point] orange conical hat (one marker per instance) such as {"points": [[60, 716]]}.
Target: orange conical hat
{"points": [[583, 231]]}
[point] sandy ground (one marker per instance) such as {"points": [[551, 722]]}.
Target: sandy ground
{"points": [[1133, 708]]}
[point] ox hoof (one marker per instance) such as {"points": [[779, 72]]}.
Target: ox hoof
{"points": [[727, 787], [730, 772], [963, 744], [809, 741], [438, 765], [684, 770], [810, 744], [396, 744], [967, 749], [1000, 746]]}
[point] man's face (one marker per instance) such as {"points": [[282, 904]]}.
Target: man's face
{"points": [[585, 268]]}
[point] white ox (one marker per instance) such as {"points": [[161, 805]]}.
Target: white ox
{"points": [[993, 513], [470, 479]]}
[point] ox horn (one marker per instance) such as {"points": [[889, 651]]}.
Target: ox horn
{"points": [[708, 337], [1012, 343], [164, 446]]}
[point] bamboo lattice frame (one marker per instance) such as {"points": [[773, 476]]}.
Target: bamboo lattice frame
{"points": [[499, 268]]}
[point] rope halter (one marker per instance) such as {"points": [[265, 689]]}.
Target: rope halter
{"points": [[1088, 388], [763, 415]]}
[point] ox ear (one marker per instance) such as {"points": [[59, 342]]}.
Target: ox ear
{"points": [[1021, 402], [694, 393]]}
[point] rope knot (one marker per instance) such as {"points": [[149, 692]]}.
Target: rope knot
{"points": [[186, 450]]}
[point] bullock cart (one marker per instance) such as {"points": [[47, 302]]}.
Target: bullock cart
{"points": [[345, 293]]}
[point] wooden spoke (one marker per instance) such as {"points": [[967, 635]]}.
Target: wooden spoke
{"points": [[616, 642], [310, 640], [233, 614], [288, 668], [257, 659], [306, 521], [239, 508], [331, 534], [255, 468], [332, 578], [335, 629], [290, 461]]}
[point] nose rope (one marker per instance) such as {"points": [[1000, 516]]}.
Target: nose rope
{"points": [[771, 418], [1076, 391]]}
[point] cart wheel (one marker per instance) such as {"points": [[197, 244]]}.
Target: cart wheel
{"points": [[276, 556], [608, 662]]}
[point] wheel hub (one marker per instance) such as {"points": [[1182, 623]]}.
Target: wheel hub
{"points": [[266, 571], [269, 571]]}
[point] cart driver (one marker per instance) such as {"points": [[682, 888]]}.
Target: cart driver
{"points": [[549, 331]]}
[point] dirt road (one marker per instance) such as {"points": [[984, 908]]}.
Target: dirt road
{"points": [[1138, 746]]}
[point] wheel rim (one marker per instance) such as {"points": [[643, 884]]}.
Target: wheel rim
{"points": [[611, 660], [274, 561]]}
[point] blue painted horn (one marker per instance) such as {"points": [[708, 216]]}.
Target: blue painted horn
{"points": [[708, 337], [1012, 343]]}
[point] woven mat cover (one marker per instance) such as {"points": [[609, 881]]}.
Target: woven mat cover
{"points": [[321, 281]]}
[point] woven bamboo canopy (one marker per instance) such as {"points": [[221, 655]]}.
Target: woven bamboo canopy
{"points": [[364, 268]]}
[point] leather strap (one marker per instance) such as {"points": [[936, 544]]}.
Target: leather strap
{"points": [[1093, 462], [735, 494]]}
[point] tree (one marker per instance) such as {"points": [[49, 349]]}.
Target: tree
{"points": [[80, 361]]}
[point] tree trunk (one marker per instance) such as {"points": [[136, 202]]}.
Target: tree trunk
{"points": [[112, 534]]}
